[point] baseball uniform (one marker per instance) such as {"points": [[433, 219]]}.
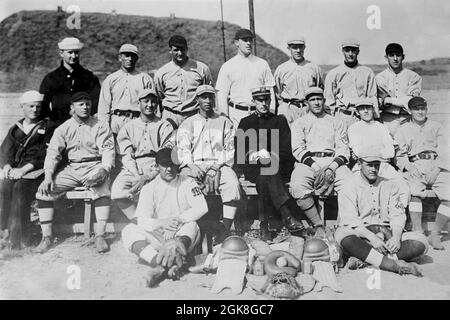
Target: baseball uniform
{"points": [[320, 138], [118, 102], [291, 80], [345, 86], [406, 83], [207, 141], [89, 146], [176, 88], [180, 198], [237, 77], [138, 143]]}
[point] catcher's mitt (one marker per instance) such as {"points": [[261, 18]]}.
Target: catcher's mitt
{"points": [[324, 181], [282, 286], [271, 267], [172, 252]]}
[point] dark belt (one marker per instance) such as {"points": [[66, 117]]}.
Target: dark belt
{"points": [[126, 113], [146, 155], [296, 102], [85, 160], [184, 114], [241, 107], [425, 155], [323, 154]]}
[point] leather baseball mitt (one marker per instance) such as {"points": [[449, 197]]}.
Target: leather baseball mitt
{"points": [[324, 181], [172, 251]]}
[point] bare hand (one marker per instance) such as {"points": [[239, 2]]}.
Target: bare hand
{"points": [[196, 172], [413, 171], [378, 245], [16, 173], [170, 224], [393, 244], [432, 176], [46, 186], [97, 179]]}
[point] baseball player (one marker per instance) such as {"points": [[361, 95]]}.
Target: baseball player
{"points": [[89, 145], [177, 81], [293, 77], [118, 102], [59, 85], [22, 154], [166, 229], [320, 147], [368, 133], [346, 84], [253, 159], [238, 76], [423, 154], [372, 217], [139, 140], [395, 86], [205, 144]]}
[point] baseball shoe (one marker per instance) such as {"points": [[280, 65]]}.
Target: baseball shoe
{"points": [[408, 268], [354, 263], [101, 244], [435, 241], [154, 276], [44, 245]]}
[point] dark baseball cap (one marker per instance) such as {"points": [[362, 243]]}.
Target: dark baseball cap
{"points": [[79, 96], [243, 33], [178, 41], [394, 47], [167, 157], [415, 102]]}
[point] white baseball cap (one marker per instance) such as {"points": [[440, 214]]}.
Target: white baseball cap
{"points": [[31, 96], [70, 44]]}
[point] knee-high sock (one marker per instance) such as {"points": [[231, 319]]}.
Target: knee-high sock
{"points": [[442, 216], [46, 221], [127, 206], [145, 251], [415, 212], [410, 250], [310, 210], [229, 212], [102, 209]]}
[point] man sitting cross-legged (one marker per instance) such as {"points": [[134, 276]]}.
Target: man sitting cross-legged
{"points": [[372, 217], [167, 211]]}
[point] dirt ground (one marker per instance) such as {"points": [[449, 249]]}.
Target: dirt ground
{"points": [[118, 275]]}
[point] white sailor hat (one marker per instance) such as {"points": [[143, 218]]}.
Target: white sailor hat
{"points": [[70, 44], [129, 48], [31, 96], [260, 91]]}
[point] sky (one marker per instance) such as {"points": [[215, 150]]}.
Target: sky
{"points": [[421, 26]]}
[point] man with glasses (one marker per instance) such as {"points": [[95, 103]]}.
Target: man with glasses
{"points": [[395, 86], [238, 76]]}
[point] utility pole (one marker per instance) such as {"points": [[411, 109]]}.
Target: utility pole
{"points": [[252, 23], [223, 33]]}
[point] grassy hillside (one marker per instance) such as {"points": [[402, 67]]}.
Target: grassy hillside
{"points": [[28, 49]]}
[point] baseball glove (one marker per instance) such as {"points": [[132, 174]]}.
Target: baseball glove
{"points": [[324, 181], [211, 182], [138, 184], [271, 267], [172, 251], [282, 286]]}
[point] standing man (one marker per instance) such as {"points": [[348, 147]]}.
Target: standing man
{"points": [[346, 84], [118, 101], [22, 156], [177, 81], [320, 146], [59, 85], [238, 76], [89, 145], [205, 144], [372, 218], [166, 229], [293, 78], [271, 148], [424, 155], [395, 86], [138, 141]]}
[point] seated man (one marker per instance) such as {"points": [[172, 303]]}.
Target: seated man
{"points": [[206, 152], [368, 133], [166, 229], [271, 150], [423, 154], [138, 141], [89, 146], [22, 155], [319, 144], [372, 217]]}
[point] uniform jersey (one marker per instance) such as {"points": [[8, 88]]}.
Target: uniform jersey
{"points": [[176, 85], [203, 140], [120, 91], [312, 133], [79, 140], [362, 204], [292, 79], [239, 75], [180, 198], [138, 138], [345, 85], [414, 139], [362, 135]]}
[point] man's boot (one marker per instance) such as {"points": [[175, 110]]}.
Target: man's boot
{"points": [[408, 268], [155, 275], [44, 245], [100, 243]]}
